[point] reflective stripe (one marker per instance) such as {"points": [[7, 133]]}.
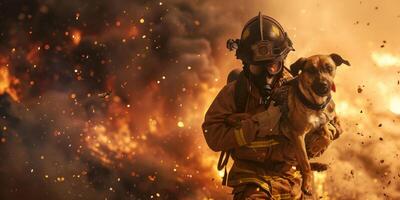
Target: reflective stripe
{"points": [[262, 184], [261, 144], [240, 137], [282, 196]]}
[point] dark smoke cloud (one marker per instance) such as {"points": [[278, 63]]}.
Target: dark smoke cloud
{"points": [[157, 66]]}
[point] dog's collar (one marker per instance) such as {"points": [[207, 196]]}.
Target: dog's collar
{"points": [[307, 102]]}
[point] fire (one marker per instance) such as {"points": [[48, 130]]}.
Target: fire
{"points": [[112, 140], [385, 59], [109, 145], [6, 83], [319, 180]]}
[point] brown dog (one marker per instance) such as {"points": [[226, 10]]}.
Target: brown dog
{"points": [[310, 106]]}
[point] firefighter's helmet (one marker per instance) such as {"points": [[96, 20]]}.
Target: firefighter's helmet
{"points": [[263, 40]]}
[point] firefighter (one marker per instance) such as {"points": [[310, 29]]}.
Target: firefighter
{"points": [[242, 121]]}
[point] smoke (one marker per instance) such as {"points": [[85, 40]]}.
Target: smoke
{"points": [[106, 90], [112, 94]]}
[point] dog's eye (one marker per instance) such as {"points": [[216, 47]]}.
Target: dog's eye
{"points": [[312, 70], [328, 68]]}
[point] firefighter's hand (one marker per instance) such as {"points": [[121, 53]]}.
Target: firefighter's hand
{"points": [[235, 119]]}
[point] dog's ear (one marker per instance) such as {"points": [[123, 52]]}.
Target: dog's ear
{"points": [[297, 66], [339, 60]]}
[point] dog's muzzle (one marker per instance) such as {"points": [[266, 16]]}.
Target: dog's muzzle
{"points": [[321, 88]]}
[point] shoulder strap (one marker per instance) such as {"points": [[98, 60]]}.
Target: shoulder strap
{"points": [[240, 97], [241, 93]]}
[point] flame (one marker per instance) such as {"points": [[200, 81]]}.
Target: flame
{"points": [[109, 145], [385, 59], [6, 83], [319, 180], [112, 140]]}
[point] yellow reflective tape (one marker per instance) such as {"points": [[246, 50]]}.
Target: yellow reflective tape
{"points": [[261, 144], [239, 137], [282, 196], [262, 184]]}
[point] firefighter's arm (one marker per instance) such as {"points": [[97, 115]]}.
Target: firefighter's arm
{"points": [[223, 128]]}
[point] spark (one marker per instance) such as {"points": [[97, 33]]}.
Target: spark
{"points": [[181, 124]]}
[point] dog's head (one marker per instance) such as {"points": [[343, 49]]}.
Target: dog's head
{"points": [[317, 72]]}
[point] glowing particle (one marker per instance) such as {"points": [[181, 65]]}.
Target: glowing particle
{"points": [[163, 77], [161, 3], [181, 124], [76, 37], [141, 20]]}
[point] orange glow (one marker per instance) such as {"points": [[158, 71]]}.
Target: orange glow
{"points": [[395, 105], [33, 54], [6, 83], [133, 32], [76, 37], [385, 59]]}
